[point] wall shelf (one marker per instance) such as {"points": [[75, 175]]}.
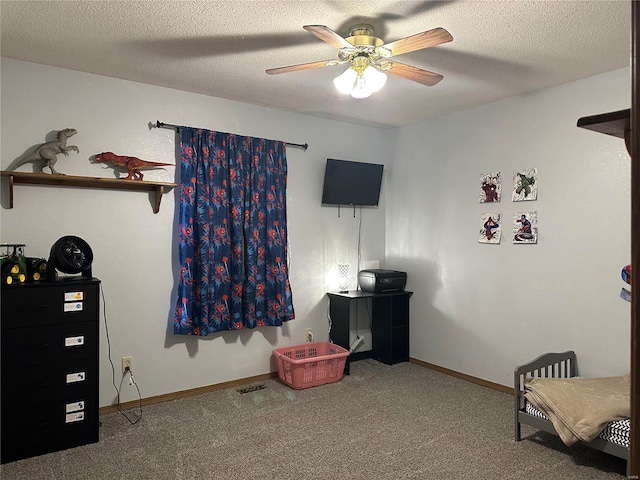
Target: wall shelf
{"points": [[616, 124], [87, 182]]}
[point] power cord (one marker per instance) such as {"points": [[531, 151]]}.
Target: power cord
{"points": [[359, 246], [128, 370], [132, 381], [329, 317]]}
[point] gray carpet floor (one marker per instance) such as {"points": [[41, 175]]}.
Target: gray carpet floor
{"points": [[381, 422]]}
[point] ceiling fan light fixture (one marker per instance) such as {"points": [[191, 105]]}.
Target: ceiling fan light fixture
{"points": [[368, 57], [345, 81], [360, 84], [375, 78], [360, 87]]}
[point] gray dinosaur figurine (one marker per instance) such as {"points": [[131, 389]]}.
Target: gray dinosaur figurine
{"points": [[47, 151]]}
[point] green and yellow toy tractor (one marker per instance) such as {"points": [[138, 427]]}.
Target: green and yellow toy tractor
{"points": [[16, 268], [13, 263]]}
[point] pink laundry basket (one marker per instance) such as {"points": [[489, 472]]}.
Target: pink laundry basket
{"points": [[310, 364]]}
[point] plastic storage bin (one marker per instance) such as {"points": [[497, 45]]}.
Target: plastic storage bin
{"points": [[310, 364]]}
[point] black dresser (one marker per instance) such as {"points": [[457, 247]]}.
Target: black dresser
{"points": [[49, 367]]}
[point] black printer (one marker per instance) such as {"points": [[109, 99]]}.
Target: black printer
{"points": [[377, 280]]}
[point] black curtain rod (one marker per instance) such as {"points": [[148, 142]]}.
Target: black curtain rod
{"points": [[160, 124]]}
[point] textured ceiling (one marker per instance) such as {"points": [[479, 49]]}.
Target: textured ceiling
{"points": [[222, 48]]}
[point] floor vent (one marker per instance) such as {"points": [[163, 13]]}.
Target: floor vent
{"points": [[250, 389]]}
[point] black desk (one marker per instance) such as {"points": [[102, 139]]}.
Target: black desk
{"points": [[389, 323]]}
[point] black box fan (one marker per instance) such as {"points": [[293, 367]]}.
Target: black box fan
{"points": [[70, 255]]}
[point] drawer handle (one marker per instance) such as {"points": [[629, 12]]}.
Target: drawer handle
{"points": [[30, 308], [42, 346]]}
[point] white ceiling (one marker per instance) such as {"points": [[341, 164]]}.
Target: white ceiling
{"points": [[222, 48]]}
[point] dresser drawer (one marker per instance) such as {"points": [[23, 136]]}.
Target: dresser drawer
{"points": [[26, 347], [33, 430], [49, 383], [31, 305]]}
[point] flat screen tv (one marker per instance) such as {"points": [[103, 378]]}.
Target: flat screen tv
{"points": [[351, 183]]}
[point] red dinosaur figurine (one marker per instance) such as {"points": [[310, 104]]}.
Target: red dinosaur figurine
{"points": [[132, 164]]}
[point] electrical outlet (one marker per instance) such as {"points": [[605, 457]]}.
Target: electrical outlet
{"points": [[308, 333], [127, 364]]}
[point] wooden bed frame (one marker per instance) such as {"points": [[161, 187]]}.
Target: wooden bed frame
{"points": [[553, 365]]}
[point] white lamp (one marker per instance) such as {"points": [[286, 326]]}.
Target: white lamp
{"points": [[343, 278], [361, 79]]}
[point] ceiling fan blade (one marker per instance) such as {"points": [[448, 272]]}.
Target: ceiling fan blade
{"points": [[415, 74], [303, 66], [327, 35], [419, 41]]}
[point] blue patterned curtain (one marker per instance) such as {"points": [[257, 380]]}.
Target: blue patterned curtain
{"points": [[232, 239]]}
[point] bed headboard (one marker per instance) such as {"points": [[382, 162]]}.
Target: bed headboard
{"points": [[547, 365], [550, 365]]}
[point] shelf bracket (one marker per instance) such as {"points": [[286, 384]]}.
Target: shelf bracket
{"points": [[10, 191], [158, 199], [627, 140]]}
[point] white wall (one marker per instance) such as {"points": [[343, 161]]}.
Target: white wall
{"points": [[483, 309], [478, 309], [134, 249]]}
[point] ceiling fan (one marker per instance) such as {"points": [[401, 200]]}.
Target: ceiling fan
{"points": [[369, 55]]}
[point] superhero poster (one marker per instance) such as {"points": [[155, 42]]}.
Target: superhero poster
{"points": [[525, 227], [490, 187], [491, 229], [525, 185]]}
